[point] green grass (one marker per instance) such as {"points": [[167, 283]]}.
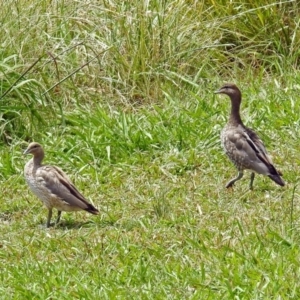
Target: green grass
{"points": [[121, 96]]}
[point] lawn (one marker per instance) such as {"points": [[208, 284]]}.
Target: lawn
{"points": [[121, 96]]}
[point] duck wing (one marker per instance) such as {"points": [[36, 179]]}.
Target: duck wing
{"points": [[257, 145], [59, 184], [247, 149]]}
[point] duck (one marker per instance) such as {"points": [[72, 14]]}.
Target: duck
{"points": [[242, 145], [52, 186]]}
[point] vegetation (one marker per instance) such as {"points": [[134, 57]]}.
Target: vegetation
{"points": [[120, 94]]}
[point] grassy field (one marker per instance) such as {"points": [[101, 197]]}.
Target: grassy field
{"points": [[120, 94]]}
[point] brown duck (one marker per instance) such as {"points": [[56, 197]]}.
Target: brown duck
{"points": [[242, 145], [52, 186]]}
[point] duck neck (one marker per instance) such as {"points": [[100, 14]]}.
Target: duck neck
{"points": [[37, 159], [235, 116]]}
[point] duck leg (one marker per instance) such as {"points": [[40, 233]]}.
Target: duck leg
{"points": [[232, 181], [251, 180], [49, 218], [58, 216]]}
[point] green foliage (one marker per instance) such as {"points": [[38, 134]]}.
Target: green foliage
{"points": [[133, 53], [120, 93], [260, 35]]}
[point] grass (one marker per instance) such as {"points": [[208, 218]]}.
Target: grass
{"points": [[121, 97]]}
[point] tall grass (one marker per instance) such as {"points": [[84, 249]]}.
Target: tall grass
{"points": [[144, 51]]}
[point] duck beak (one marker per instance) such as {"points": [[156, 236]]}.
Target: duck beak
{"points": [[26, 152], [217, 92]]}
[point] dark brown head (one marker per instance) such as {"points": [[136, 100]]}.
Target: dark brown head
{"points": [[230, 89], [35, 149]]}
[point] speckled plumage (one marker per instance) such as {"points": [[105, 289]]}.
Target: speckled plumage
{"points": [[52, 186], [242, 145]]}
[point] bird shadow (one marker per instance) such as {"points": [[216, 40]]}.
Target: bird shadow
{"points": [[67, 225]]}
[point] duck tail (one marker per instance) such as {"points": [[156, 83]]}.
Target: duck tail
{"points": [[277, 179]]}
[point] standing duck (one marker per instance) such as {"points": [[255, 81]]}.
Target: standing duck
{"points": [[52, 186], [242, 145]]}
